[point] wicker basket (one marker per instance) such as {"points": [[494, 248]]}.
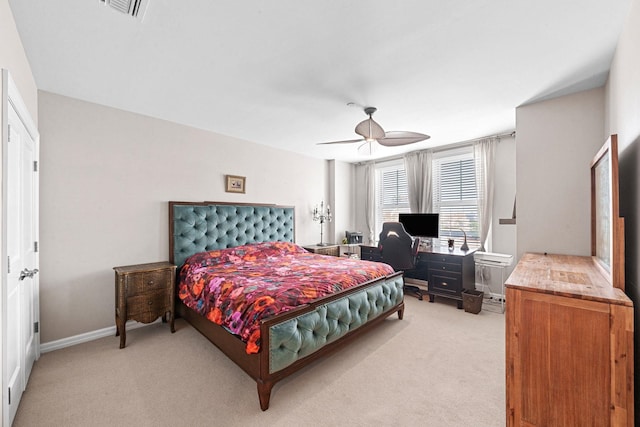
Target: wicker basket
{"points": [[472, 301]]}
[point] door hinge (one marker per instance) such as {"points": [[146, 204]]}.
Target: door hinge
{"points": [[35, 166], [9, 395], [8, 265], [35, 246], [36, 327], [9, 136]]}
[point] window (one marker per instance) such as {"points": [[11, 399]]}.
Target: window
{"points": [[455, 196], [391, 193]]}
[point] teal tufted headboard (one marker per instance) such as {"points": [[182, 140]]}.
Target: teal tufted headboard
{"points": [[206, 226]]}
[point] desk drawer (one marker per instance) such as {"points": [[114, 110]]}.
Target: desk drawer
{"points": [[370, 253], [445, 267], [445, 283], [449, 259]]}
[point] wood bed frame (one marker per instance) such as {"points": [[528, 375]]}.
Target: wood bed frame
{"points": [[257, 366]]}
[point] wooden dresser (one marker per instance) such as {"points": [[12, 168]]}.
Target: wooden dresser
{"points": [[569, 345], [144, 292]]}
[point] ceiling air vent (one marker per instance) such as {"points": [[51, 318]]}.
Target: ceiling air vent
{"points": [[134, 8]]}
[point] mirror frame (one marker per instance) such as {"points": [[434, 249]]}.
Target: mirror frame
{"points": [[607, 228]]}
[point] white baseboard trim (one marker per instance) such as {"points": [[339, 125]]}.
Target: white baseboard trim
{"points": [[88, 336]]}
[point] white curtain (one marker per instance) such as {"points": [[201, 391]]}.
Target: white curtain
{"points": [[484, 152], [418, 168], [370, 201]]}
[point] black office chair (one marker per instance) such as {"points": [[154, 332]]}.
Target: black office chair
{"points": [[399, 250]]}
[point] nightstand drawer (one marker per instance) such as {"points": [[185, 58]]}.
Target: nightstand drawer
{"points": [[148, 281], [329, 249], [148, 307]]}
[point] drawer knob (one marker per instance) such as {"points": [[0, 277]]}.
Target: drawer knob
{"points": [[150, 302], [444, 268], [444, 284], [150, 282]]}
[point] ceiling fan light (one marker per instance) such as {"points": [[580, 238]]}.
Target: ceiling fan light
{"points": [[368, 148]]}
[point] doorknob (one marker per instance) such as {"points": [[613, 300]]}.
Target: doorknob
{"points": [[27, 273]]}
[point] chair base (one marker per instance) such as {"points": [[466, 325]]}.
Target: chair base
{"points": [[413, 290]]}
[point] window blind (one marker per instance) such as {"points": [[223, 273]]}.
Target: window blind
{"points": [[392, 196], [455, 196]]}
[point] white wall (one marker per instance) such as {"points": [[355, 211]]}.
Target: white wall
{"points": [[341, 196], [623, 118], [556, 141], [359, 200], [106, 178], [503, 239]]}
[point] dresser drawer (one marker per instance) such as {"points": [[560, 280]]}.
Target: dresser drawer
{"points": [[148, 307]]}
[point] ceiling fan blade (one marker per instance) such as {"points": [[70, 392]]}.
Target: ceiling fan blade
{"points": [[369, 129], [397, 138], [349, 141]]}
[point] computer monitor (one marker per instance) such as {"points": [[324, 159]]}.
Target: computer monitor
{"points": [[425, 225]]}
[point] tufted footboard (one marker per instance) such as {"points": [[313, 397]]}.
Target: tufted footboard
{"points": [[299, 337]]}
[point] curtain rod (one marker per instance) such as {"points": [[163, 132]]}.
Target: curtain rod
{"points": [[511, 134]]}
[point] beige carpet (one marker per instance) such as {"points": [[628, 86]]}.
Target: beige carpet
{"points": [[438, 367]]}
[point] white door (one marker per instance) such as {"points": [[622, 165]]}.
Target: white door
{"points": [[20, 204]]}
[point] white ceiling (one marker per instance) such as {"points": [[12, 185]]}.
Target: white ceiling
{"points": [[281, 72]]}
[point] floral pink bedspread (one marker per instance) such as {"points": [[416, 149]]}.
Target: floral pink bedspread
{"points": [[238, 287]]}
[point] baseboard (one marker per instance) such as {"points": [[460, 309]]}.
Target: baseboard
{"points": [[88, 336]]}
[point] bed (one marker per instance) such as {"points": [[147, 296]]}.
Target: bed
{"points": [[202, 233]]}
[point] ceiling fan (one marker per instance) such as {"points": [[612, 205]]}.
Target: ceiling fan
{"points": [[371, 131]]}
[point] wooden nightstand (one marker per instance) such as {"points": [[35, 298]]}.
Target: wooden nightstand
{"points": [[328, 249], [144, 292]]}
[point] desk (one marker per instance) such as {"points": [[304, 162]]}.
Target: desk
{"points": [[447, 272]]}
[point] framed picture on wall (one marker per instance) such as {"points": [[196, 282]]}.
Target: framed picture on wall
{"points": [[235, 184]]}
